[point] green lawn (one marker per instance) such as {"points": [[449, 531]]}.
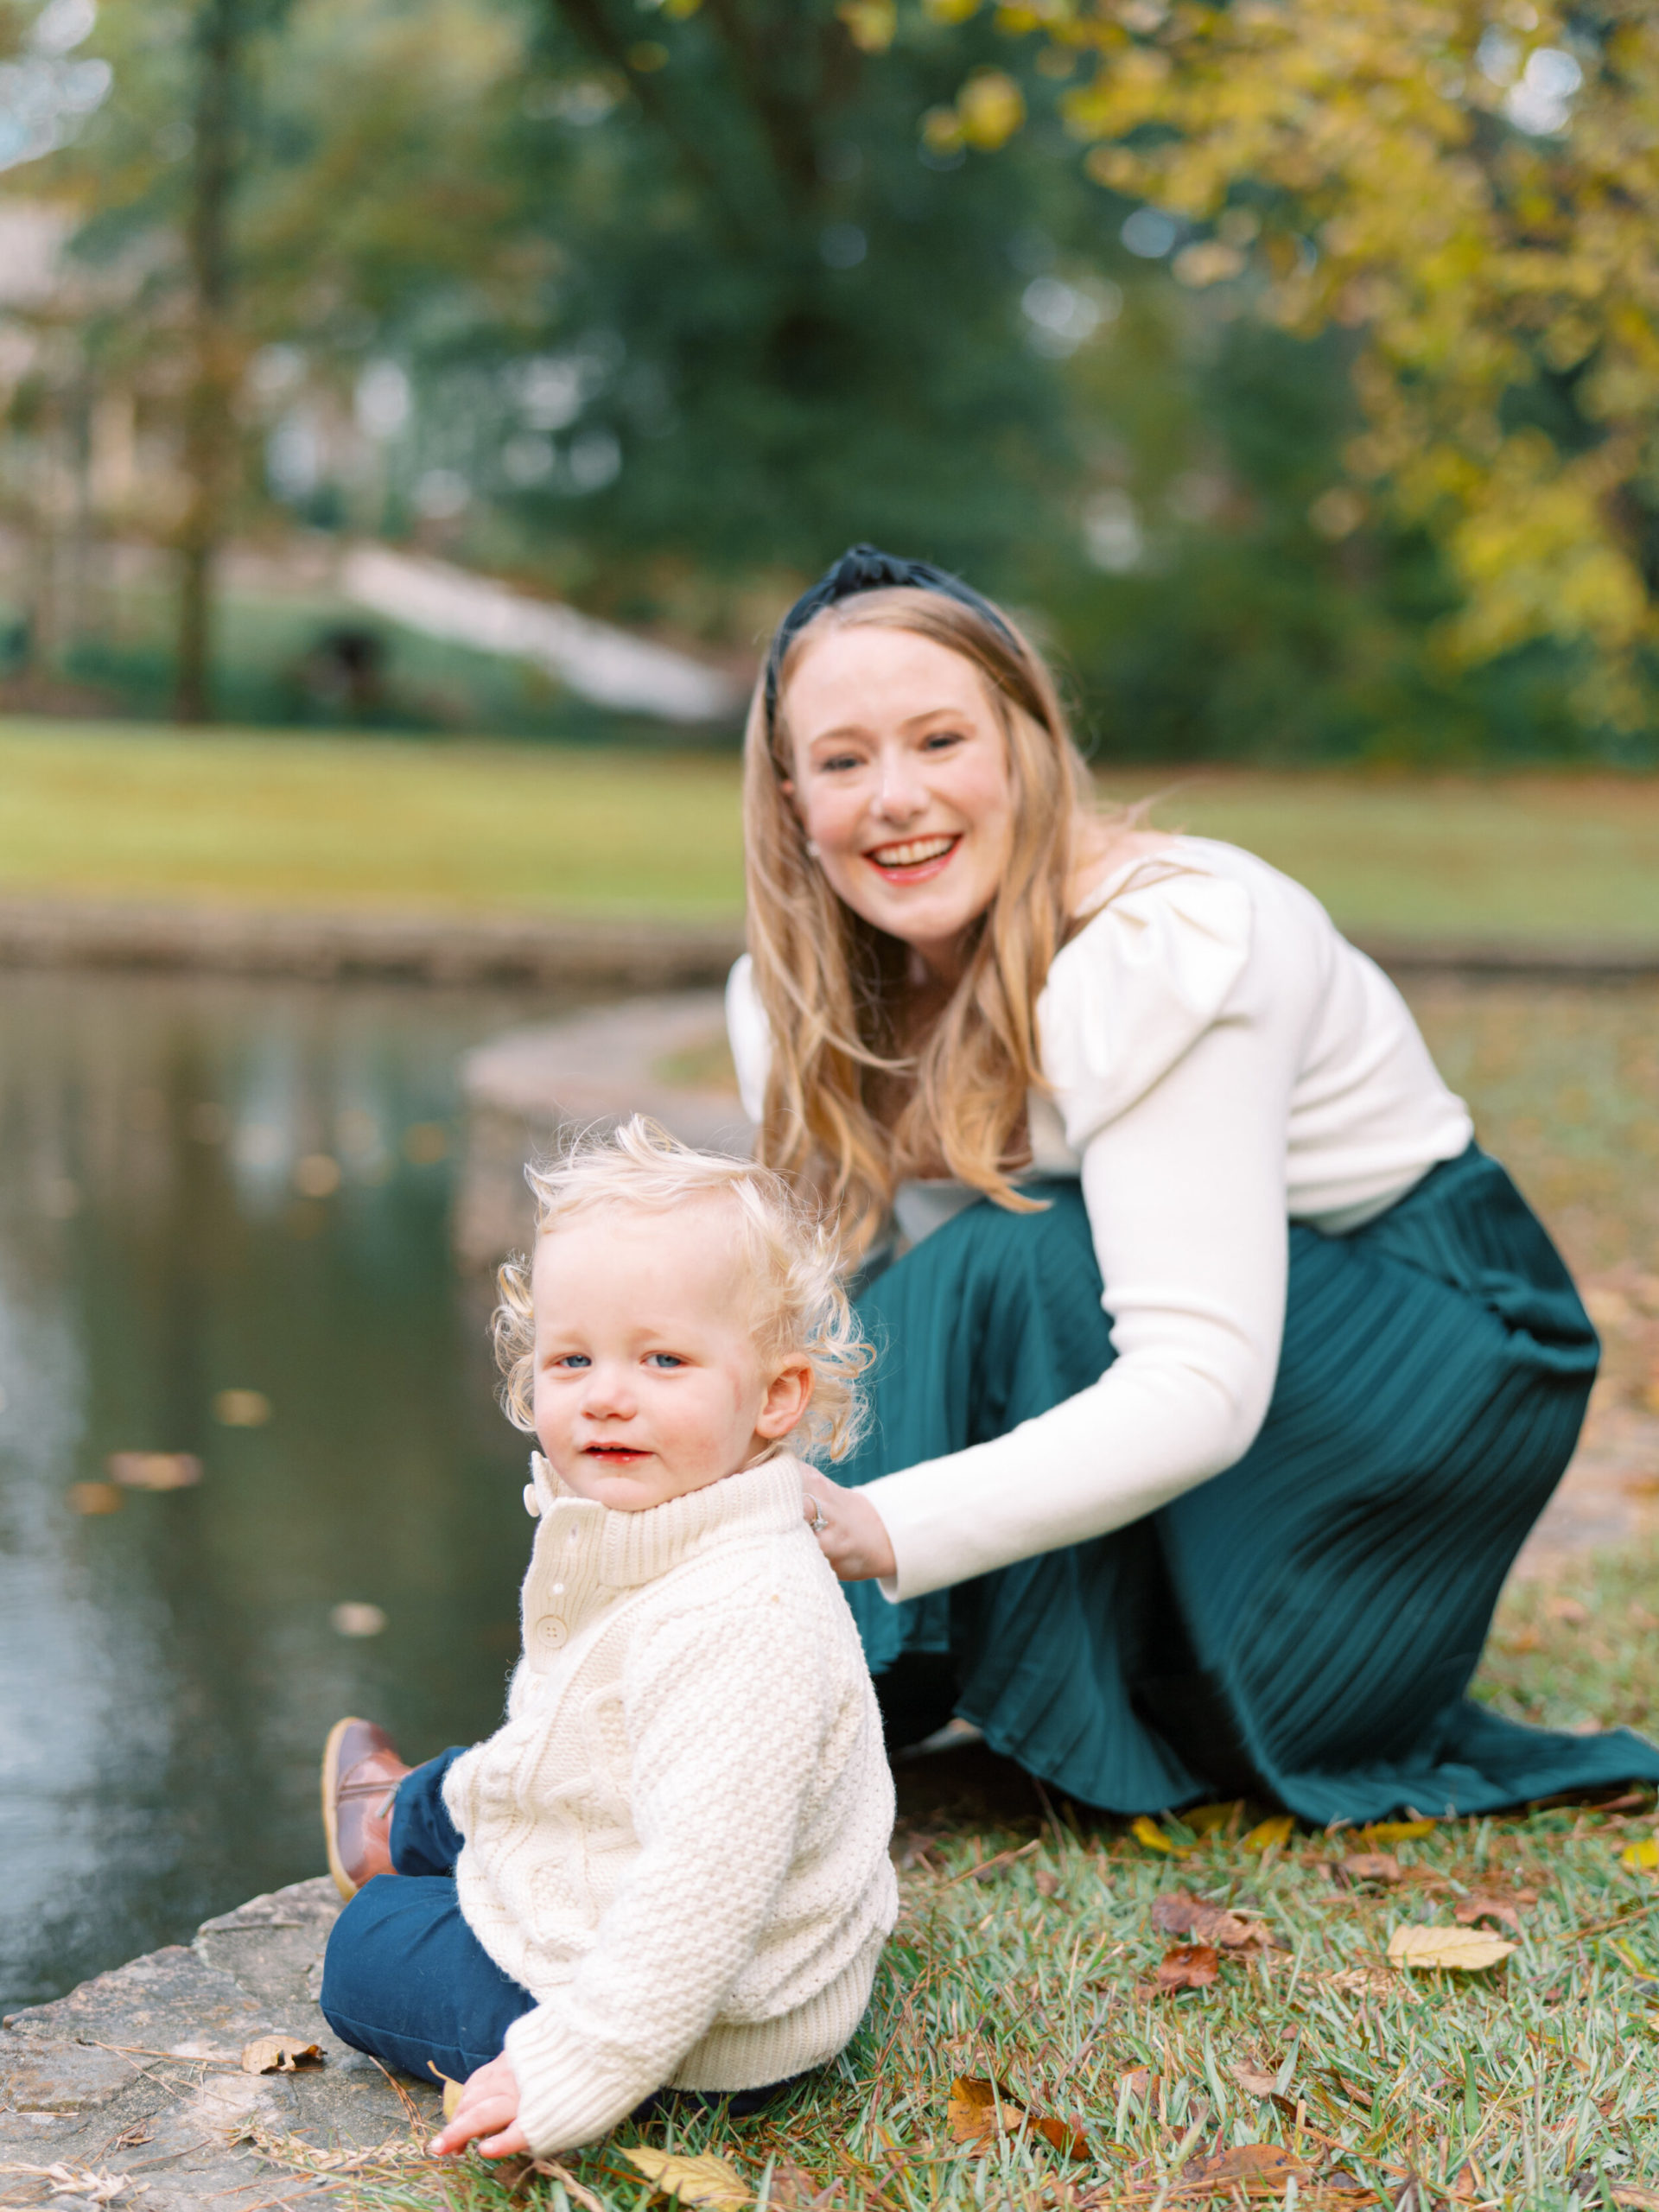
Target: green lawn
{"points": [[1028, 1955], [134, 812]]}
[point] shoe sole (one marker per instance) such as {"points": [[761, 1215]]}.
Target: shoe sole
{"points": [[343, 1881]]}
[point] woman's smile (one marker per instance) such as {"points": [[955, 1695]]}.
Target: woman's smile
{"points": [[912, 860]]}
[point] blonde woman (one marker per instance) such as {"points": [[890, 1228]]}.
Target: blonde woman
{"points": [[1223, 1374]]}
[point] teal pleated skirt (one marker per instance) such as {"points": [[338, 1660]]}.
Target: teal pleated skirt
{"points": [[1301, 1629]]}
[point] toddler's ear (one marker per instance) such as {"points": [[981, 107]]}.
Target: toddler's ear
{"points": [[787, 1397]]}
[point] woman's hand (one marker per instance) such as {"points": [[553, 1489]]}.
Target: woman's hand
{"points": [[488, 2107], [856, 1541]]}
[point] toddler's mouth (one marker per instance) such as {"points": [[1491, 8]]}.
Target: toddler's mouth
{"points": [[613, 1451]]}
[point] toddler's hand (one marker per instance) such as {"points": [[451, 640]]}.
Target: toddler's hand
{"points": [[488, 2107], [855, 1541]]}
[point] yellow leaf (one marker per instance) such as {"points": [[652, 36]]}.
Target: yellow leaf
{"points": [[1204, 1820], [451, 2097], [1148, 1832], [1634, 1963], [279, 2055], [1400, 1831], [1265, 1834], [1642, 1856], [991, 107], [870, 23], [1465, 1950], [711, 2183]]}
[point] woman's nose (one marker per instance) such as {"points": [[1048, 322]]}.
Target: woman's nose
{"points": [[901, 794]]}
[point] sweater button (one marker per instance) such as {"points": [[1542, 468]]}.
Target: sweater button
{"points": [[552, 1632]]}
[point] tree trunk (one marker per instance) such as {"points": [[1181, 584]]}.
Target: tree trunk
{"points": [[209, 434]]}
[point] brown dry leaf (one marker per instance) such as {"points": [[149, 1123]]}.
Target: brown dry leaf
{"points": [[1253, 2081], [86, 1498], [1462, 1950], [1189, 1965], [154, 1470], [279, 2055], [1181, 1914], [1138, 2083], [1361, 1981], [979, 2111], [1257, 2168], [1481, 1904], [1370, 1867], [711, 2183], [1637, 2199], [1046, 1884], [794, 2189]]}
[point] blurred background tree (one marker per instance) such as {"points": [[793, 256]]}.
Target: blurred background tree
{"points": [[1290, 363]]}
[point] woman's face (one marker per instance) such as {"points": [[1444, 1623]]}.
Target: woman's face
{"points": [[901, 777]]}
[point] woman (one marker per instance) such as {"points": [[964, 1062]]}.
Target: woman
{"points": [[1225, 1374]]}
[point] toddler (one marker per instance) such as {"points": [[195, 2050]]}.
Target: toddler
{"points": [[669, 1867]]}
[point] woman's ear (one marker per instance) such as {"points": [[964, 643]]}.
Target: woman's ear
{"points": [[788, 1395]]}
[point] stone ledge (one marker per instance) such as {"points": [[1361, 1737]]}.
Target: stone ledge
{"points": [[635, 954], [137, 2070]]}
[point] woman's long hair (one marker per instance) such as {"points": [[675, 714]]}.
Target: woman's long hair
{"points": [[854, 1103]]}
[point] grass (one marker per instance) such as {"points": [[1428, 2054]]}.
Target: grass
{"points": [[148, 813], [1532, 2084]]}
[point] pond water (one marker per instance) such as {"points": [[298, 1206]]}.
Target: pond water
{"points": [[167, 1669], [210, 1187]]}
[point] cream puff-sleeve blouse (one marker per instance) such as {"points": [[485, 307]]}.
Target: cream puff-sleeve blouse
{"points": [[1221, 1063]]}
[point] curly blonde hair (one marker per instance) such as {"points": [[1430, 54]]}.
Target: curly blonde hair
{"points": [[791, 1252]]}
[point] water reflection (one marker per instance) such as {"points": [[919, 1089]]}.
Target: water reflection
{"points": [[210, 1188]]}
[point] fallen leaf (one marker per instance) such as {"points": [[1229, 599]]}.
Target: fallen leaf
{"points": [[86, 1498], [279, 2055], [1642, 1856], [712, 2183], [1480, 1905], [1189, 1965], [1361, 1981], [1181, 1914], [1637, 2200], [1262, 2167], [979, 2111], [1252, 2081], [793, 2189], [1204, 1820], [1136, 2084], [1266, 1834], [1568, 1609], [1148, 1832], [1464, 1950], [1370, 1867], [1399, 1831], [1046, 1884], [154, 1470]]}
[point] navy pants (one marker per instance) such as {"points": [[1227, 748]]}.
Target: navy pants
{"points": [[405, 1979]]}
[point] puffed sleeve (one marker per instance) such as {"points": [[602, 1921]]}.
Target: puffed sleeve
{"points": [[1136, 989], [750, 1037], [1170, 1038]]}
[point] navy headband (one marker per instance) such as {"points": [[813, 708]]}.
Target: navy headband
{"points": [[864, 568]]}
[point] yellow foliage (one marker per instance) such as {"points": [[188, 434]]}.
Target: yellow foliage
{"points": [[1464, 1950], [1642, 1856], [1474, 190], [1266, 1834], [990, 107], [1148, 1832], [870, 23]]}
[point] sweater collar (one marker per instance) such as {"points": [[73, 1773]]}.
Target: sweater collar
{"points": [[626, 1549]]}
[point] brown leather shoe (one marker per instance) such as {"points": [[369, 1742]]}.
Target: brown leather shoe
{"points": [[361, 1774]]}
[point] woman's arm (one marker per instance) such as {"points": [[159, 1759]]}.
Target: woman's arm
{"points": [[1185, 1194]]}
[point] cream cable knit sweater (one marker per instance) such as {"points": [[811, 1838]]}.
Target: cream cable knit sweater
{"points": [[678, 1842]]}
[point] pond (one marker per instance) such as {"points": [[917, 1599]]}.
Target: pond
{"points": [[225, 1231], [206, 1188]]}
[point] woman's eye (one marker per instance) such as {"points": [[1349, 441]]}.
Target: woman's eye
{"points": [[936, 740], [838, 764]]}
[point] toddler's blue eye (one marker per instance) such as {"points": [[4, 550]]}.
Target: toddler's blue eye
{"points": [[664, 1359], [574, 1359]]}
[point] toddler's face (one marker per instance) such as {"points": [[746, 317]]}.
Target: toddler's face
{"points": [[647, 1380]]}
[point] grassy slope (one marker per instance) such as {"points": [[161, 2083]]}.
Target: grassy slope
{"points": [[149, 814]]}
